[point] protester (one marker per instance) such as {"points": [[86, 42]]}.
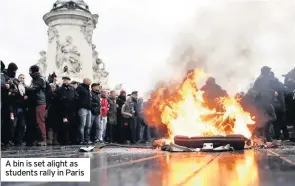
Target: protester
{"points": [[212, 92], [121, 99], [37, 95], [112, 125], [8, 100], [20, 111], [104, 107], [128, 114], [266, 96], [144, 130], [52, 116], [95, 112], [84, 110], [66, 96]]}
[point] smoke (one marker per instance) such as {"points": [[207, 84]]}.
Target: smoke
{"points": [[233, 40]]}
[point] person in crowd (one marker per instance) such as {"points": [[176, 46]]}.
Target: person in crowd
{"points": [[84, 110], [128, 114], [74, 84], [66, 97], [112, 125], [37, 95], [280, 108], [8, 100], [121, 99], [265, 101], [20, 108], [95, 112], [104, 107], [144, 130], [52, 116], [290, 97], [135, 128], [4, 85], [212, 92]]}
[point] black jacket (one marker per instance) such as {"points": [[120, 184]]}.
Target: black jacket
{"points": [[37, 90], [83, 96], [95, 103], [66, 97], [279, 102]]}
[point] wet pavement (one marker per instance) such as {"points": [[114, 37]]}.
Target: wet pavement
{"points": [[112, 166]]}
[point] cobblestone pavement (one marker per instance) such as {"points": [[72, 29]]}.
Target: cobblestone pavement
{"points": [[118, 166]]}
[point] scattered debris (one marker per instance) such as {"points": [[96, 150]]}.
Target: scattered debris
{"points": [[262, 143], [86, 149]]}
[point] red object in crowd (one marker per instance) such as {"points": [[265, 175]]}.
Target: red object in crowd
{"points": [[104, 107]]}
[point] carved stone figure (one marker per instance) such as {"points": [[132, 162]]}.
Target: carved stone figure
{"points": [[87, 29], [52, 33], [68, 58], [42, 63], [99, 71], [95, 19], [61, 3]]}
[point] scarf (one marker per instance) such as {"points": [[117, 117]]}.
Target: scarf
{"points": [[22, 89]]}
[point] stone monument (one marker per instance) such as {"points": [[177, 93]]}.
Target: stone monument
{"points": [[70, 49]]}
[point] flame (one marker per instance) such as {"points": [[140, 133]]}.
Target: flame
{"points": [[181, 107]]}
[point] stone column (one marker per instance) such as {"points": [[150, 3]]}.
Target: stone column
{"points": [[70, 30]]}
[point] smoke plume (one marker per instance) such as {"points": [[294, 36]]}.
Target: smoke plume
{"points": [[233, 40]]}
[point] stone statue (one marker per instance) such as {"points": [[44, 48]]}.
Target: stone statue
{"points": [[68, 58], [52, 33], [95, 19], [42, 63], [63, 2], [99, 71], [87, 29]]}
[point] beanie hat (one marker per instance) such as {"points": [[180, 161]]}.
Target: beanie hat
{"points": [[34, 69]]}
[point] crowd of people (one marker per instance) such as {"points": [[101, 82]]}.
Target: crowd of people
{"points": [[270, 101], [47, 113]]}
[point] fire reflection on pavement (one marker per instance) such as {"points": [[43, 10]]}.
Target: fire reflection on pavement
{"points": [[230, 169]]}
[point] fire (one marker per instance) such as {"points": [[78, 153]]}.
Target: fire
{"points": [[182, 109]]}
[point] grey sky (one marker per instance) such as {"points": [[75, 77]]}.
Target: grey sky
{"points": [[133, 37]]}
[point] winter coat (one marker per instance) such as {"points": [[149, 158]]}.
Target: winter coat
{"points": [[279, 102], [112, 114], [263, 86], [128, 110], [120, 102], [95, 103], [37, 90], [134, 101], [66, 97], [104, 107], [83, 97]]}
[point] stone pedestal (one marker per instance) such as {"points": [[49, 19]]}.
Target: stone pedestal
{"points": [[70, 29]]}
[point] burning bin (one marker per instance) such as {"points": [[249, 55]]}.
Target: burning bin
{"points": [[235, 141]]}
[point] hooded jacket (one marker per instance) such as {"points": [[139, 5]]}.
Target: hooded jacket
{"points": [[37, 90]]}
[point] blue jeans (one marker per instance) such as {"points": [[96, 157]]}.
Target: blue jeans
{"points": [[96, 126], [85, 124]]}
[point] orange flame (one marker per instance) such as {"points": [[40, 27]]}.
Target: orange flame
{"points": [[183, 110]]}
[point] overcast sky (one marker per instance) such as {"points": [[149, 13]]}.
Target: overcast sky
{"points": [[135, 38]]}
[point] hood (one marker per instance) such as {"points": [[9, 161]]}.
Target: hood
{"points": [[11, 70]]}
